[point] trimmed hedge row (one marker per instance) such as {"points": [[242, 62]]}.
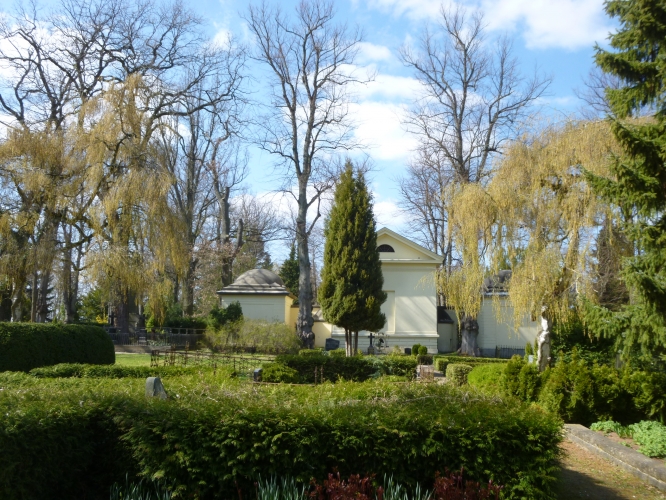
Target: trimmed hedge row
{"points": [[24, 346], [334, 368], [442, 361], [73, 370], [457, 373], [79, 436]]}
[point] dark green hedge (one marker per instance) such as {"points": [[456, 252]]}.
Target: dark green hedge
{"points": [[73, 438], [355, 368], [24, 346]]}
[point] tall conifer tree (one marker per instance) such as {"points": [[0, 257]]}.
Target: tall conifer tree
{"points": [[351, 289], [638, 58], [289, 272]]}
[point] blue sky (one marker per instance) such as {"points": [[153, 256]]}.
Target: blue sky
{"points": [[556, 37]]}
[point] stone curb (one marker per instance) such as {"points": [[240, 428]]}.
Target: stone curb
{"points": [[630, 460]]}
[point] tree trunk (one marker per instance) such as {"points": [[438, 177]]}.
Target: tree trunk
{"points": [[43, 296], [33, 297], [355, 343], [470, 332], [188, 289], [122, 312], [304, 322], [17, 298], [543, 343]]}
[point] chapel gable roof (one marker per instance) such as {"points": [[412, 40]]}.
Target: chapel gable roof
{"points": [[404, 249]]}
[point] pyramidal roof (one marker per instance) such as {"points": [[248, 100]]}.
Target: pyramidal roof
{"points": [[256, 281]]}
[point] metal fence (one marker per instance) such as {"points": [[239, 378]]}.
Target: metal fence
{"points": [[242, 364], [164, 337], [505, 352]]}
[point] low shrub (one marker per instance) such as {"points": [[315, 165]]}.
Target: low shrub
{"points": [[279, 373], [423, 350], [415, 349], [487, 378], [80, 436], [339, 353], [424, 359], [24, 346], [457, 373], [356, 368], [311, 352], [442, 361]]}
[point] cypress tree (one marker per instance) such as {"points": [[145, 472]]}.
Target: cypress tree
{"points": [[351, 289], [638, 57], [289, 272]]}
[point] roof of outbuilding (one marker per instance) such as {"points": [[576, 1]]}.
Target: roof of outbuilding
{"points": [[258, 282]]}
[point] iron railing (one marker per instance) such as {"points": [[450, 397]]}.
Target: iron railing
{"points": [[162, 337]]}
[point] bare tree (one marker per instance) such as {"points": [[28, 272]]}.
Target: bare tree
{"points": [[473, 99], [308, 57], [593, 93]]}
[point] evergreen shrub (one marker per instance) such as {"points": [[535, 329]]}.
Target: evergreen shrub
{"points": [[487, 377], [457, 373], [24, 346], [80, 436], [424, 359], [423, 350], [279, 373], [415, 349]]}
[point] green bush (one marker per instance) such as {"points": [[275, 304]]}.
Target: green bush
{"points": [[69, 370], [415, 349], [487, 377], [218, 317], [311, 352], [529, 382], [279, 373], [397, 365], [24, 346], [457, 373], [423, 350], [80, 436], [424, 359], [650, 436], [339, 353]]}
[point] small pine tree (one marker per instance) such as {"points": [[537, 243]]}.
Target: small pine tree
{"points": [[351, 287], [637, 54], [289, 272]]}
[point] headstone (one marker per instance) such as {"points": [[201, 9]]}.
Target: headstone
{"points": [[332, 344], [154, 388], [257, 375], [371, 350], [408, 350], [530, 358]]}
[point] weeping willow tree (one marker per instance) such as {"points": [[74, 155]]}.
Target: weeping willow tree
{"points": [[540, 217], [138, 247]]}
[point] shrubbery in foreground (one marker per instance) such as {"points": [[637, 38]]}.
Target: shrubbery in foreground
{"points": [[79, 436], [24, 346]]}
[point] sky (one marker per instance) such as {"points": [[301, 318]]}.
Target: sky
{"points": [[553, 37]]}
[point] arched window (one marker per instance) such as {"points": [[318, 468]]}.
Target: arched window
{"points": [[385, 248]]}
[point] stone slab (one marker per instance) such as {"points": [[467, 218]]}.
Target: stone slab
{"points": [[649, 470], [154, 388]]}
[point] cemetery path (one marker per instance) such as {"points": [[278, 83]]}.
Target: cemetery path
{"points": [[587, 476]]}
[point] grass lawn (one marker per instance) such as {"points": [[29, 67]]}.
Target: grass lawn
{"points": [[130, 359]]}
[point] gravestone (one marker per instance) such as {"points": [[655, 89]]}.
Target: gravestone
{"points": [[154, 388], [332, 344]]}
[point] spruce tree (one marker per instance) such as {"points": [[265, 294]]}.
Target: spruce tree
{"points": [[351, 289], [289, 272], [638, 57]]}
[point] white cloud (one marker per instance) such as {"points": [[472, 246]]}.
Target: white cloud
{"points": [[369, 53], [380, 129], [388, 215], [390, 87], [568, 24]]}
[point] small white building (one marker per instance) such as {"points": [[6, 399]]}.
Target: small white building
{"points": [[412, 314]]}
